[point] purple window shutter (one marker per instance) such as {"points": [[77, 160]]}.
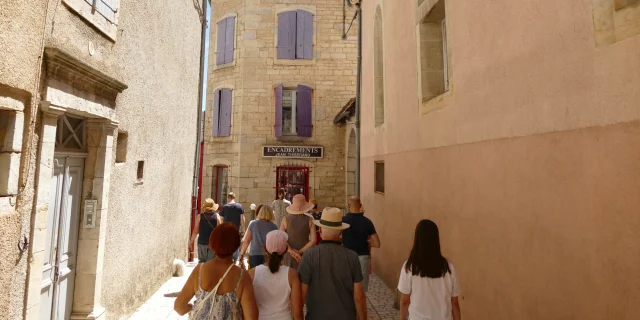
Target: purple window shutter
{"points": [[303, 108], [225, 113], [220, 42], [304, 35], [216, 113], [229, 39], [278, 126], [287, 35]]}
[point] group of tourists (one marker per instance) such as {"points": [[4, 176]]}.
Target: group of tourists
{"points": [[300, 256]]}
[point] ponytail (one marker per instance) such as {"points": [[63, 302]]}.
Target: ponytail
{"points": [[274, 262]]}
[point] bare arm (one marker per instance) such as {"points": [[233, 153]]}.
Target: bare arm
{"points": [[455, 308], [182, 305], [405, 300], [196, 230], [312, 237], [248, 299], [220, 220], [242, 221], [283, 225], [360, 300], [245, 243], [296, 295], [374, 241]]}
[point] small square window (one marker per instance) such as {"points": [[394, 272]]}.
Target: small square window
{"points": [[379, 175], [140, 170], [121, 147]]}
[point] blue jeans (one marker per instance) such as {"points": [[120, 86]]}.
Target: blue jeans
{"points": [[255, 261], [236, 255]]}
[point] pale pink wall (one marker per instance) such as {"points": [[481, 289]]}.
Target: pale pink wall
{"points": [[531, 171], [538, 227]]}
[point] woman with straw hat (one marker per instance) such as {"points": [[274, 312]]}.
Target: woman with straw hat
{"points": [[300, 230], [203, 231]]}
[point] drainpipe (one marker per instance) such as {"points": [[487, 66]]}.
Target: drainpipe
{"points": [[196, 161], [358, 89]]}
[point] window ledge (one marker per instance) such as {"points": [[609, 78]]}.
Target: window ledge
{"points": [[439, 102], [224, 66], [101, 23], [294, 62], [222, 139], [292, 138], [380, 193]]}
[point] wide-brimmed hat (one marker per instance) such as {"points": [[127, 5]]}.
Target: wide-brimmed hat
{"points": [[299, 205], [210, 205], [331, 218]]}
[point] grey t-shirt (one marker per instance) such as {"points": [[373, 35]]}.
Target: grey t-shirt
{"points": [[259, 230], [330, 270]]}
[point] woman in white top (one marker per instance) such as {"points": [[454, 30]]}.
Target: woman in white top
{"points": [[428, 284], [277, 288]]}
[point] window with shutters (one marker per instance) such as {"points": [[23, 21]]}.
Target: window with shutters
{"points": [[295, 35], [615, 20], [434, 61], [225, 41], [379, 177], [102, 14], [378, 71], [222, 107], [293, 111]]}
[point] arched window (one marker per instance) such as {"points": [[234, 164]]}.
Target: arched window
{"points": [[378, 69]]}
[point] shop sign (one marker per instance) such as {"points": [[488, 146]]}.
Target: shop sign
{"points": [[292, 152]]}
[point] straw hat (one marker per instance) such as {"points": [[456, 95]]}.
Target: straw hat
{"points": [[332, 219], [299, 205], [210, 205]]}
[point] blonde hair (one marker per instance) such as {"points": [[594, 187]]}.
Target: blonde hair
{"points": [[266, 213]]}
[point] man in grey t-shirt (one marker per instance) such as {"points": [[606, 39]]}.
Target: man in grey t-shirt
{"points": [[332, 287]]}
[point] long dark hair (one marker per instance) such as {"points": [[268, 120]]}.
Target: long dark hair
{"points": [[425, 259], [274, 259]]}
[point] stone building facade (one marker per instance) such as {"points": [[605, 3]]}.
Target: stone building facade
{"points": [[514, 125], [97, 100], [279, 72]]}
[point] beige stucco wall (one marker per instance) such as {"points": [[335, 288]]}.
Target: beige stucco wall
{"points": [[253, 77], [528, 163], [156, 53]]}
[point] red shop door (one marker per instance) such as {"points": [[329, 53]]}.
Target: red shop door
{"points": [[294, 179]]}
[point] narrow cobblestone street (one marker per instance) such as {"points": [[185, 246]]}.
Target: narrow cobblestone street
{"points": [[160, 305]]}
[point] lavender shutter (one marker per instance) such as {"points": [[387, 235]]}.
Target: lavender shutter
{"points": [[225, 113], [304, 35], [278, 125], [216, 114], [229, 39], [220, 42], [287, 35], [303, 108]]}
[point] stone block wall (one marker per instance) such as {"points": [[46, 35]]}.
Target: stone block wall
{"points": [[331, 74]]}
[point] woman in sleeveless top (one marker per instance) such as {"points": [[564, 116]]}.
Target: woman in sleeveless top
{"points": [[204, 225], [277, 288], [300, 230], [222, 290]]}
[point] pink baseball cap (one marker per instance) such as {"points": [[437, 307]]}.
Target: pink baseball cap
{"points": [[277, 242]]}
